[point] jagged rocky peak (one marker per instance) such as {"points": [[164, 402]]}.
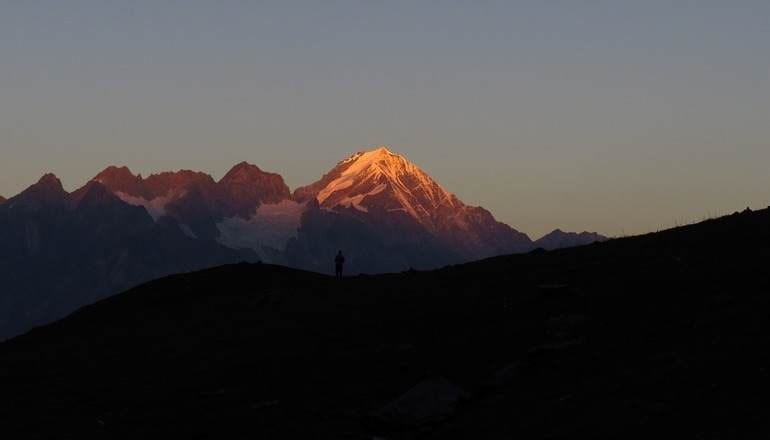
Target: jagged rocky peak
{"points": [[381, 156], [115, 173], [168, 182], [47, 191], [49, 180], [48, 186], [246, 186], [245, 173], [121, 179], [186, 193], [241, 172]]}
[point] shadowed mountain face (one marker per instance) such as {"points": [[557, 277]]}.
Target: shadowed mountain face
{"points": [[47, 192], [62, 251], [559, 239], [666, 332]]}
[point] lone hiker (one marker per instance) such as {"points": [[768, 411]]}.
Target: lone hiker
{"points": [[339, 263]]}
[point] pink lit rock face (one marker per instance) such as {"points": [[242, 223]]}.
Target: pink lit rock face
{"points": [[193, 198], [246, 187], [386, 182]]}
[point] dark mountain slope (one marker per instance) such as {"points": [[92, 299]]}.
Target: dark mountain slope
{"points": [[60, 251], [46, 192], [558, 239], [662, 333]]}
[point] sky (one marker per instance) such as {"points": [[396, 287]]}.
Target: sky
{"points": [[620, 117]]}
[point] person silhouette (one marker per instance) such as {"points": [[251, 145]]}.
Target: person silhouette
{"points": [[339, 263]]}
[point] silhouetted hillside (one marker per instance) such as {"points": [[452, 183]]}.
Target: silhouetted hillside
{"points": [[661, 335], [558, 239]]}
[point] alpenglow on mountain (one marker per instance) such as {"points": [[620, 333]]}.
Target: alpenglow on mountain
{"points": [[403, 208], [381, 209], [120, 229]]}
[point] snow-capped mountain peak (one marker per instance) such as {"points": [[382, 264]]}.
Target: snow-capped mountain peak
{"points": [[382, 179], [384, 189]]}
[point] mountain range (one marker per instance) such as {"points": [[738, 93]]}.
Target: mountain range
{"points": [[62, 250], [385, 212]]}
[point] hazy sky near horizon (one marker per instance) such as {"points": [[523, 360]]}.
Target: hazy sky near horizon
{"points": [[613, 116]]}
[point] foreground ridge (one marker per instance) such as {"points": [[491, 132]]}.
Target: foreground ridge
{"points": [[542, 344]]}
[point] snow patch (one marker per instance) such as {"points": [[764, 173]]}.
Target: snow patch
{"points": [[271, 225], [356, 200], [187, 231], [351, 158], [418, 199], [155, 207], [334, 186]]}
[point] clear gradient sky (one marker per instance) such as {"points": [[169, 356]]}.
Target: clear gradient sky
{"points": [[615, 116]]}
